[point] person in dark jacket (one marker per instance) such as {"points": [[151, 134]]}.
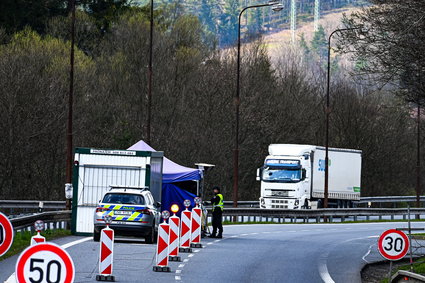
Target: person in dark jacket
{"points": [[218, 206]]}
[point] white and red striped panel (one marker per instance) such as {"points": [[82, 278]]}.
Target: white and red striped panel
{"points": [[106, 251], [185, 229]]}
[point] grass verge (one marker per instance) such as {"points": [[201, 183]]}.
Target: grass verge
{"points": [[418, 267], [22, 240]]}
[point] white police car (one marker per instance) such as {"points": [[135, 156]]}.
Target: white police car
{"points": [[133, 211]]}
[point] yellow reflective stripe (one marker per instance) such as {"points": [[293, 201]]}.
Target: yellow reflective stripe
{"points": [[133, 216], [117, 207], [119, 217], [106, 205], [110, 213]]}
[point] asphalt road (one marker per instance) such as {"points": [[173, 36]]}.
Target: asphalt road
{"points": [[247, 253]]}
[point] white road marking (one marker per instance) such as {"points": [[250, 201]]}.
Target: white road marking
{"points": [[196, 251], [292, 231], [210, 243], [191, 255], [244, 234], [368, 252], [323, 269], [12, 278], [216, 241], [178, 271], [186, 260], [305, 230], [65, 246], [376, 236], [178, 278], [234, 236], [255, 233], [181, 265]]}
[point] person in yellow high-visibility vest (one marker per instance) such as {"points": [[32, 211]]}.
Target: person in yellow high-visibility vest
{"points": [[218, 206]]}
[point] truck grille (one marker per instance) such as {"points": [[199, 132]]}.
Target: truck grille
{"points": [[279, 203]]}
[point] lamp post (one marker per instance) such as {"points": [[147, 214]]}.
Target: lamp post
{"points": [[326, 189], [149, 112], [276, 6], [68, 170]]}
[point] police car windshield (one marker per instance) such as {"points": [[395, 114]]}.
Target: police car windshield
{"points": [[123, 199]]}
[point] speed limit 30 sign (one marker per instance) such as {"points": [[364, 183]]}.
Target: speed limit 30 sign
{"points": [[6, 234], [393, 244], [45, 262]]}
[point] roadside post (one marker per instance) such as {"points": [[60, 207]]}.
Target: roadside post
{"points": [[39, 226], [393, 245], [6, 234], [162, 245], [185, 229], [44, 262], [174, 234], [106, 256], [196, 225]]}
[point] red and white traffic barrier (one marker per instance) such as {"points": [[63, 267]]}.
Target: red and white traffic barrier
{"points": [[174, 238], [106, 255], [196, 228], [37, 239], [186, 219], [162, 245]]}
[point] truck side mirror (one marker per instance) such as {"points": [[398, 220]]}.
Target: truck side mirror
{"points": [[303, 174], [158, 204]]}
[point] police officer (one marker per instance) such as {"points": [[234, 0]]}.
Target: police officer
{"points": [[217, 204]]}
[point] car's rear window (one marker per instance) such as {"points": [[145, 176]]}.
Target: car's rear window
{"points": [[123, 199]]}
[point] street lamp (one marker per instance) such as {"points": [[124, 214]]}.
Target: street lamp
{"points": [[149, 112], [276, 6], [68, 170], [326, 190]]}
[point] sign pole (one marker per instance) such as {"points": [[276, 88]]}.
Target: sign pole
{"points": [[389, 273]]}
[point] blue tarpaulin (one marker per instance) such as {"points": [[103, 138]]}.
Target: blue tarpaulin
{"points": [[171, 194], [172, 173]]}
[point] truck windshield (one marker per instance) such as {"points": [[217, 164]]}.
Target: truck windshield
{"points": [[283, 175]]}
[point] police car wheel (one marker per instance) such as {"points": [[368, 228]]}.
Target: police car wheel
{"points": [[150, 238], [96, 236]]}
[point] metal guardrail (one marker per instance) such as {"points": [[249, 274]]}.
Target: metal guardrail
{"points": [[32, 204], [52, 219], [390, 199], [317, 215]]}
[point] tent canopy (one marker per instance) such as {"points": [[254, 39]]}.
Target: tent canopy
{"points": [[172, 172]]}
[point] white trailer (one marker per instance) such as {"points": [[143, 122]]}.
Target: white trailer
{"points": [[293, 176], [97, 170]]}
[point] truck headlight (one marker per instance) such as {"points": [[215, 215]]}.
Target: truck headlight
{"points": [[296, 202]]}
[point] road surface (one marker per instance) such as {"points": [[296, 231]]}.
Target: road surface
{"points": [[247, 253]]}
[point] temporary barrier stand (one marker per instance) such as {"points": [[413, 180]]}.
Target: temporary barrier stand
{"points": [[185, 229], [39, 226], [196, 225], [174, 234], [162, 245], [106, 252]]}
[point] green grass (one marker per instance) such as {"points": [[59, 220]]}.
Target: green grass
{"points": [[418, 267], [22, 240]]}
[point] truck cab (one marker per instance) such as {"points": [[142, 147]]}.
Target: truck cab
{"points": [[285, 181]]}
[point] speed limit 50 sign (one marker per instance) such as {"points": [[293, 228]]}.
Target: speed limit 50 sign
{"points": [[45, 262], [393, 244]]}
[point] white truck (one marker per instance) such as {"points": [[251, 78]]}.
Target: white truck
{"points": [[293, 177]]}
